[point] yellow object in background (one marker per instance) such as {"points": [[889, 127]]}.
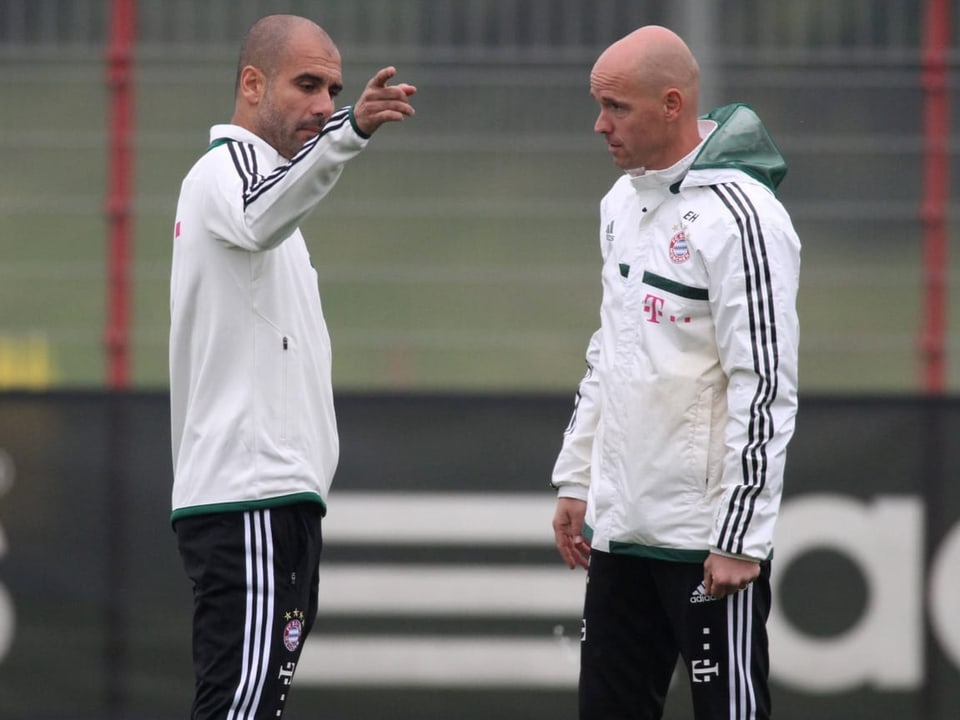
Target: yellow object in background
{"points": [[26, 362]]}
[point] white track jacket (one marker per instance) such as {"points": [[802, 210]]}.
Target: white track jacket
{"points": [[680, 430], [251, 399]]}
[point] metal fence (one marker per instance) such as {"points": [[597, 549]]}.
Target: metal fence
{"points": [[485, 205], [799, 31]]}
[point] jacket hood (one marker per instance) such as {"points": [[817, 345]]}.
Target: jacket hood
{"points": [[741, 142]]}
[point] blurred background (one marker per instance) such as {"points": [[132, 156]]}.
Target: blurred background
{"points": [[459, 268], [461, 251]]}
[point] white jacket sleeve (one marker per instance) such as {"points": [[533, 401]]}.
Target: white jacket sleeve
{"points": [[258, 211], [571, 472], [753, 289]]}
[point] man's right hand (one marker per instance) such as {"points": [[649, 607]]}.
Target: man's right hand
{"points": [[568, 532], [381, 103]]}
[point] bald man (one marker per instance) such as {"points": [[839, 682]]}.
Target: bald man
{"points": [[254, 433], [671, 470]]}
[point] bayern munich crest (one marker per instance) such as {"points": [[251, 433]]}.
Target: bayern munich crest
{"points": [[679, 250], [293, 630]]}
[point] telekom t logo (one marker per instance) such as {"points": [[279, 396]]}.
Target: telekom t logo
{"points": [[653, 307]]}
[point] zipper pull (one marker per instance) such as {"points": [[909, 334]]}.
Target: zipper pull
{"points": [[284, 342]]}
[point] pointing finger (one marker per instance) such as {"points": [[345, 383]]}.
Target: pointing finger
{"points": [[382, 76]]}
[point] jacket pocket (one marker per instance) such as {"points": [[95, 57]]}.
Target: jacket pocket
{"points": [[285, 390], [292, 390], [700, 437], [677, 327], [690, 292], [276, 386]]}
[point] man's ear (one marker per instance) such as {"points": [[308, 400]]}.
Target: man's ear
{"points": [[252, 84], [672, 104]]}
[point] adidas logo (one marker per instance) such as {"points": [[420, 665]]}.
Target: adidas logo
{"points": [[700, 594]]}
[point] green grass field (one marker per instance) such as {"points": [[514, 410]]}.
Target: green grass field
{"points": [[453, 255]]}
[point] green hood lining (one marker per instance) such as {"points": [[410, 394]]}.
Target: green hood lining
{"points": [[741, 142]]}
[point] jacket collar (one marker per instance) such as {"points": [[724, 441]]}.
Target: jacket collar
{"points": [[651, 180], [240, 134]]}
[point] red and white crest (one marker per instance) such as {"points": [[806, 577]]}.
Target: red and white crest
{"points": [[679, 249], [293, 630]]}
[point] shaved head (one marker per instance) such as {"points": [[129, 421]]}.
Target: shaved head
{"points": [[266, 44], [656, 59]]}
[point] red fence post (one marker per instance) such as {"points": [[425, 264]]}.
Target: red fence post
{"points": [[933, 210], [119, 59]]}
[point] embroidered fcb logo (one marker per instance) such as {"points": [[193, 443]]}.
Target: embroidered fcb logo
{"points": [[293, 630], [291, 635], [679, 250]]}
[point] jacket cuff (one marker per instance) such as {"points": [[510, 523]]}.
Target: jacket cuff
{"points": [[717, 551], [356, 128], [577, 492]]}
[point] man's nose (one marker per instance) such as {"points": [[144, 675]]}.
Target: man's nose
{"points": [[602, 125], [323, 105]]}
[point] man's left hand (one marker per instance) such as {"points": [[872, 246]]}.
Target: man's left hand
{"points": [[724, 575]]}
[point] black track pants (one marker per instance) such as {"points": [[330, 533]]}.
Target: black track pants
{"points": [[255, 586], [640, 614]]}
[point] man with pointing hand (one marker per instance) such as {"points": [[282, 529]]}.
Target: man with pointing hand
{"points": [[254, 434]]}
